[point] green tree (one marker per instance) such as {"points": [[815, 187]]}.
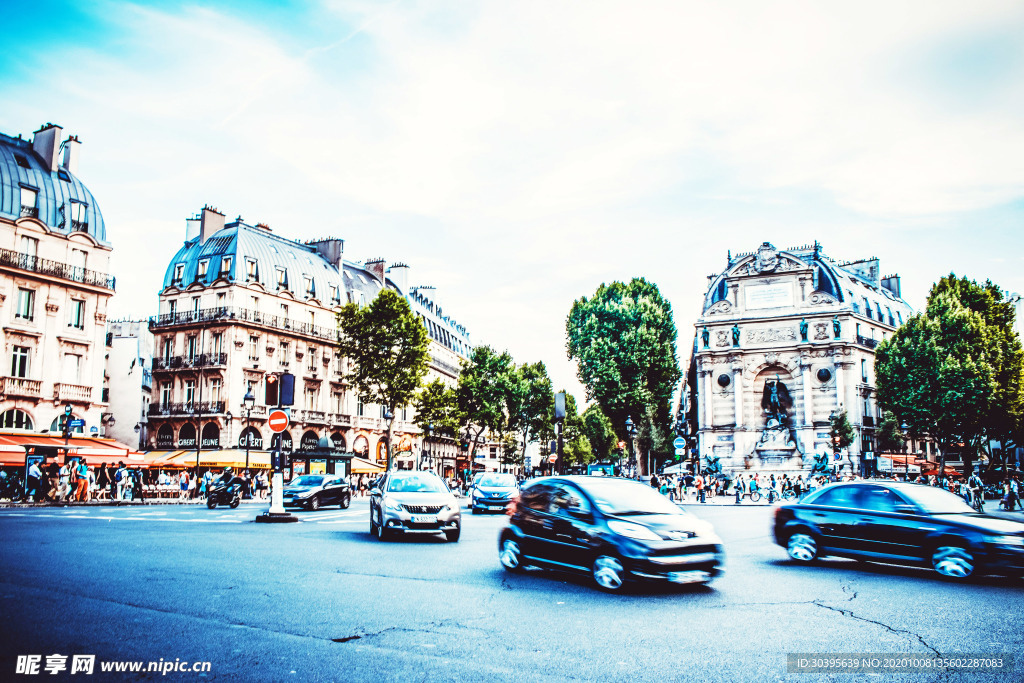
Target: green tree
{"points": [[624, 341], [484, 385], [954, 372], [840, 430], [890, 438], [437, 410], [529, 402], [387, 347], [599, 432]]}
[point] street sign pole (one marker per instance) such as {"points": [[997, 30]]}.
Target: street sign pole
{"points": [[278, 422]]}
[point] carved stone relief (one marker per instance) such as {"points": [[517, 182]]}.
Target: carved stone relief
{"points": [[721, 338], [771, 334], [720, 307], [821, 299], [820, 331]]}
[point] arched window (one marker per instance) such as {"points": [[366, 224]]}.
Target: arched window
{"points": [[361, 446], [338, 440], [165, 437], [211, 436], [187, 436], [310, 441], [58, 424], [382, 449], [250, 438], [15, 419]]}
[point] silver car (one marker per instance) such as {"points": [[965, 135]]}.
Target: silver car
{"points": [[412, 502]]}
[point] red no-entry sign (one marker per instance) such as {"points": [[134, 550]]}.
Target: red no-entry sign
{"points": [[277, 421]]}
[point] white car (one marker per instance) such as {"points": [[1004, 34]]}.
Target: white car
{"points": [[413, 502]]}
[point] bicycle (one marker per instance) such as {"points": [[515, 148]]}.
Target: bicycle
{"points": [[977, 500]]}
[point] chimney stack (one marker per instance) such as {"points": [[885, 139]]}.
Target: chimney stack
{"points": [[46, 143], [71, 146], [376, 266], [210, 221], [332, 249], [399, 274]]}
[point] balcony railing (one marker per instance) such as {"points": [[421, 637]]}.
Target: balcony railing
{"points": [[443, 366], [316, 417], [21, 387], [187, 408], [34, 264], [227, 314], [869, 421], [29, 212], [203, 360], [340, 420], [867, 341], [72, 392]]}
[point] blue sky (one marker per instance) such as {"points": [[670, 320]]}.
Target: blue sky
{"points": [[517, 155]]}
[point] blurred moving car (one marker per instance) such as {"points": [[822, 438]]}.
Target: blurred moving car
{"points": [[313, 491], [900, 523], [413, 502], [616, 530], [492, 491]]}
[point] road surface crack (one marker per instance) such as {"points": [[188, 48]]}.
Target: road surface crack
{"points": [[849, 613]]}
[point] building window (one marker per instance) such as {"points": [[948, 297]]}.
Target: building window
{"points": [[190, 393], [72, 368], [336, 401], [221, 299], [204, 266], [30, 247], [79, 221], [312, 359], [307, 286], [286, 353], [282, 278], [284, 312], [179, 274], [77, 318], [311, 398], [15, 419], [254, 348], [215, 387], [19, 361], [218, 343], [26, 304], [190, 344], [251, 270], [360, 407], [335, 297], [29, 202], [225, 266], [165, 394], [864, 370], [168, 349], [172, 307]]}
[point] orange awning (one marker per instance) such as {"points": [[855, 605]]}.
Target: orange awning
{"points": [[95, 450]]}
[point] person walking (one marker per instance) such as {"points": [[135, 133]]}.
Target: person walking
{"points": [[34, 484], [82, 487], [183, 484], [738, 488], [102, 480], [699, 483], [1015, 487]]}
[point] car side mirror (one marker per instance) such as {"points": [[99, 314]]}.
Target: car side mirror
{"points": [[375, 491], [579, 513], [906, 509]]}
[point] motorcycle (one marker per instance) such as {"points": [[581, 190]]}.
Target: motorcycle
{"points": [[219, 494]]}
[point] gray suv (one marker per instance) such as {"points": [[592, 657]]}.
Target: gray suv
{"points": [[413, 502]]}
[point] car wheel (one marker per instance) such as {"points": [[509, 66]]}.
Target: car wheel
{"points": [[475, 511], [608, 573], [511, 556], [234, 502], [346, 500], [211, 502], [802, 547], [314, 503], [953, 562], [453, 535]]}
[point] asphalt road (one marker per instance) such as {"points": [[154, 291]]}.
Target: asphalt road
{"points": [[323, 601]]}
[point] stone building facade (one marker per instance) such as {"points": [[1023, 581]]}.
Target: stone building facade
{"points": [[54, 288], [786, 338]]}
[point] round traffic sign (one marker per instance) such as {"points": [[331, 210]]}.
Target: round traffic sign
{"points": [[552, 458], [679, 442], [277, 421]]}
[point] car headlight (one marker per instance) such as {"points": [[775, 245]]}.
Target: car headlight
{"points": [[631, 530], [1006, 540], [450, 507], [393, 505], [477, 494]]}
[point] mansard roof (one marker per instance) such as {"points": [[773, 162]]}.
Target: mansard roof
{"points": [[20, 166]]}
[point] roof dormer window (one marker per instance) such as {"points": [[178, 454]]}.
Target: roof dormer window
{"points": [[179, 274], [204, 265], [308, 286], [335, 297], [282, 278], [252, 273], [29, 201], [79, 221], [22, 161], [225, 266]]}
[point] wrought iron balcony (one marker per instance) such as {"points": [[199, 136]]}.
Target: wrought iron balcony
{"points": [[187, 408], [20, 387], [230, 314], [866, 341], [29, 212], [203, 360], [34, 264]]}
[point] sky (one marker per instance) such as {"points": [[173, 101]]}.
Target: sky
{"points": [[517, 155]]}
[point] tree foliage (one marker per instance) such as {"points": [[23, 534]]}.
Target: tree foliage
{"points": [[955, 371], [437, 409], [840, 430], [624, 341], [485, 382], [599, 432], [387, 347]]}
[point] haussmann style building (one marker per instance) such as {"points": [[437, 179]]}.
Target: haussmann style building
{"points": [[785, 339]]}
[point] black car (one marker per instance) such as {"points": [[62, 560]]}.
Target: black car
{"points": [[615, 530], [313, 491], [900, 523], [492, 491]]}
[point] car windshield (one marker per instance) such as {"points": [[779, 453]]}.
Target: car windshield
{"points": [[936, 501], [621, 497], [496, 480], [306, 480], [411, 483]]}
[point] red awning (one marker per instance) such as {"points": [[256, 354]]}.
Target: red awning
{"points": [[94, 449]]}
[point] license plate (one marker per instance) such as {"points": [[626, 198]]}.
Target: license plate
{"points": [[688, 577], [495, 507], [424, 519]]}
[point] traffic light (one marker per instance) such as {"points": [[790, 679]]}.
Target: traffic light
{"points": [[287, 389], [272, 390]]}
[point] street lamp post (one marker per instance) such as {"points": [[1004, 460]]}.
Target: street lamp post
{"points": [[388, 417], [424, 455], [67, 427], [631, 430], [247, 402]]}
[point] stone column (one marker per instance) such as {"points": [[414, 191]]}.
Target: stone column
{"points": [[840, 383], [805, 375], [709, 401], [737, 386]]}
